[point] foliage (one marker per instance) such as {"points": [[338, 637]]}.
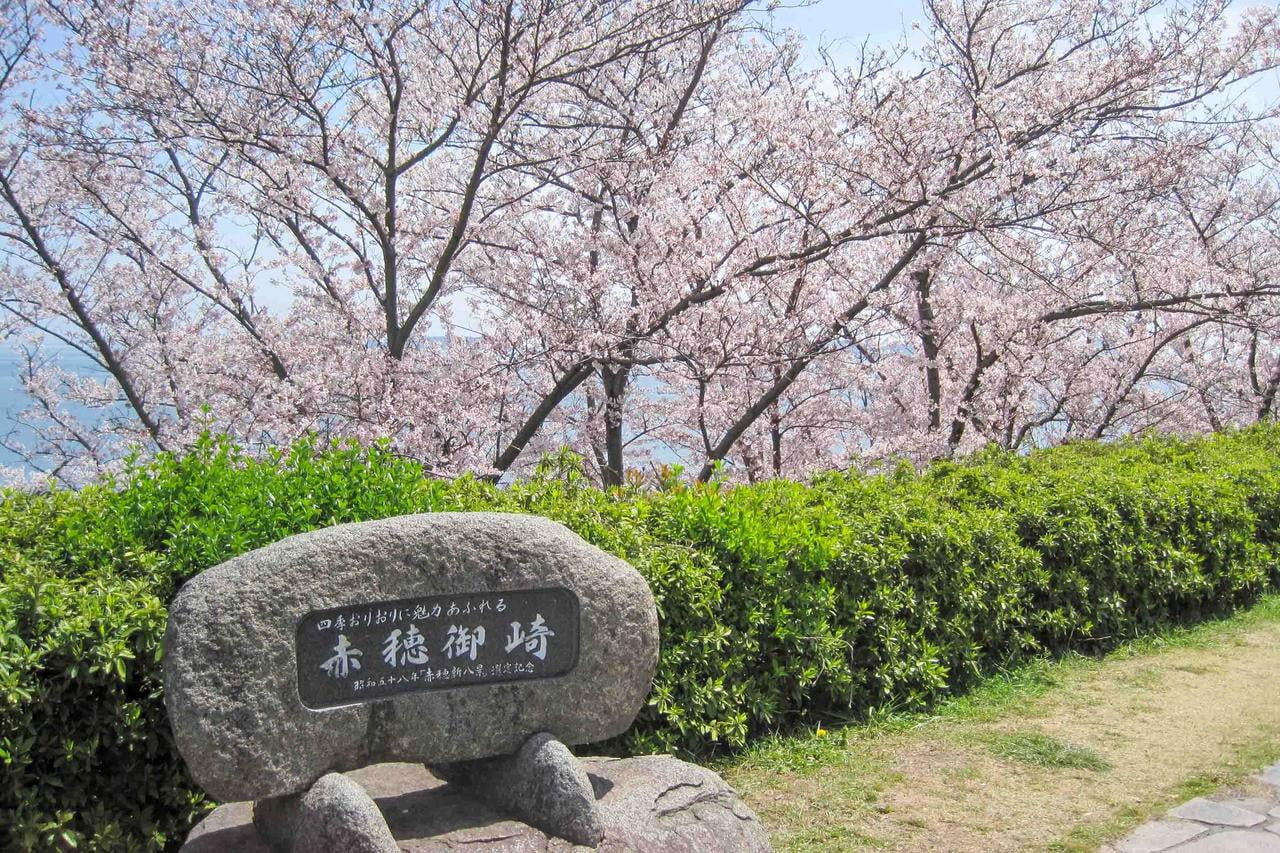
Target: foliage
{"points": [[782, 603], [1042, 750], [85, 748]]}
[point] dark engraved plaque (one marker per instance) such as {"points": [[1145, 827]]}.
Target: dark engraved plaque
{"points": [[362, 652]]}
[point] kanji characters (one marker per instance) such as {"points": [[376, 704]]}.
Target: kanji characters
{"points": [[409, 650], [464, 642], [535, 641], [344, 660]]}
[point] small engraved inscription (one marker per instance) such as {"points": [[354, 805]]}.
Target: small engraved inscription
{"points": [[362, 652]]}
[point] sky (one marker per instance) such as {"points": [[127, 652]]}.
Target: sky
{"points": [[849, 22]]}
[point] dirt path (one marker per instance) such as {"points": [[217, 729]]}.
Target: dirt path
{"points": [[1062, 767]]}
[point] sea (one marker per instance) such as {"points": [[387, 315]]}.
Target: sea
{"points": [[13, 399]]}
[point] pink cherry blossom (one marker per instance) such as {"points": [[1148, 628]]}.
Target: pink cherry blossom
{"points": [[644, 229]]}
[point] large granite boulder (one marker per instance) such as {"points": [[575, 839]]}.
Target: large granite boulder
{"points": [[431, 638], [654, 804]]}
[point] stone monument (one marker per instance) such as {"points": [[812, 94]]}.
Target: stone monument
{"points": [[476, 646]]}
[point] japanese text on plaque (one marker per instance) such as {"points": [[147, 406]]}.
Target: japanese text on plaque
{"points": [[369, 651]]}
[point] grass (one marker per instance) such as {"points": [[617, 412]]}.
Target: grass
{"points": [[1041, 750], [1055, 755]]}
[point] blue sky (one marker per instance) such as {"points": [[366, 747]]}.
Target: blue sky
{"points": [[850, 21]]}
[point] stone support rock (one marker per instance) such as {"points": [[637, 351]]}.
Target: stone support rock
{"points": [[542, 784]]}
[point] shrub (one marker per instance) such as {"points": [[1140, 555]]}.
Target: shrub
{"points": [[780, 602], [86, 751]]}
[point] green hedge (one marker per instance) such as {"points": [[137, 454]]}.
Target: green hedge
{"points": [[781, 603]]}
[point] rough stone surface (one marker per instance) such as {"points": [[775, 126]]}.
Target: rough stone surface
{"points": [[334, 814], [1218, 814], [654, 804], [1159, 835], [1271, 775], [1234, 823], [230, 672], [1234, 841], [1259, 805], [542, 784]]}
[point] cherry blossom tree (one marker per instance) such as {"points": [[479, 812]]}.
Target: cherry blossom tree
{"points": [[485, 229], [1022, 119], [345, 157]]}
